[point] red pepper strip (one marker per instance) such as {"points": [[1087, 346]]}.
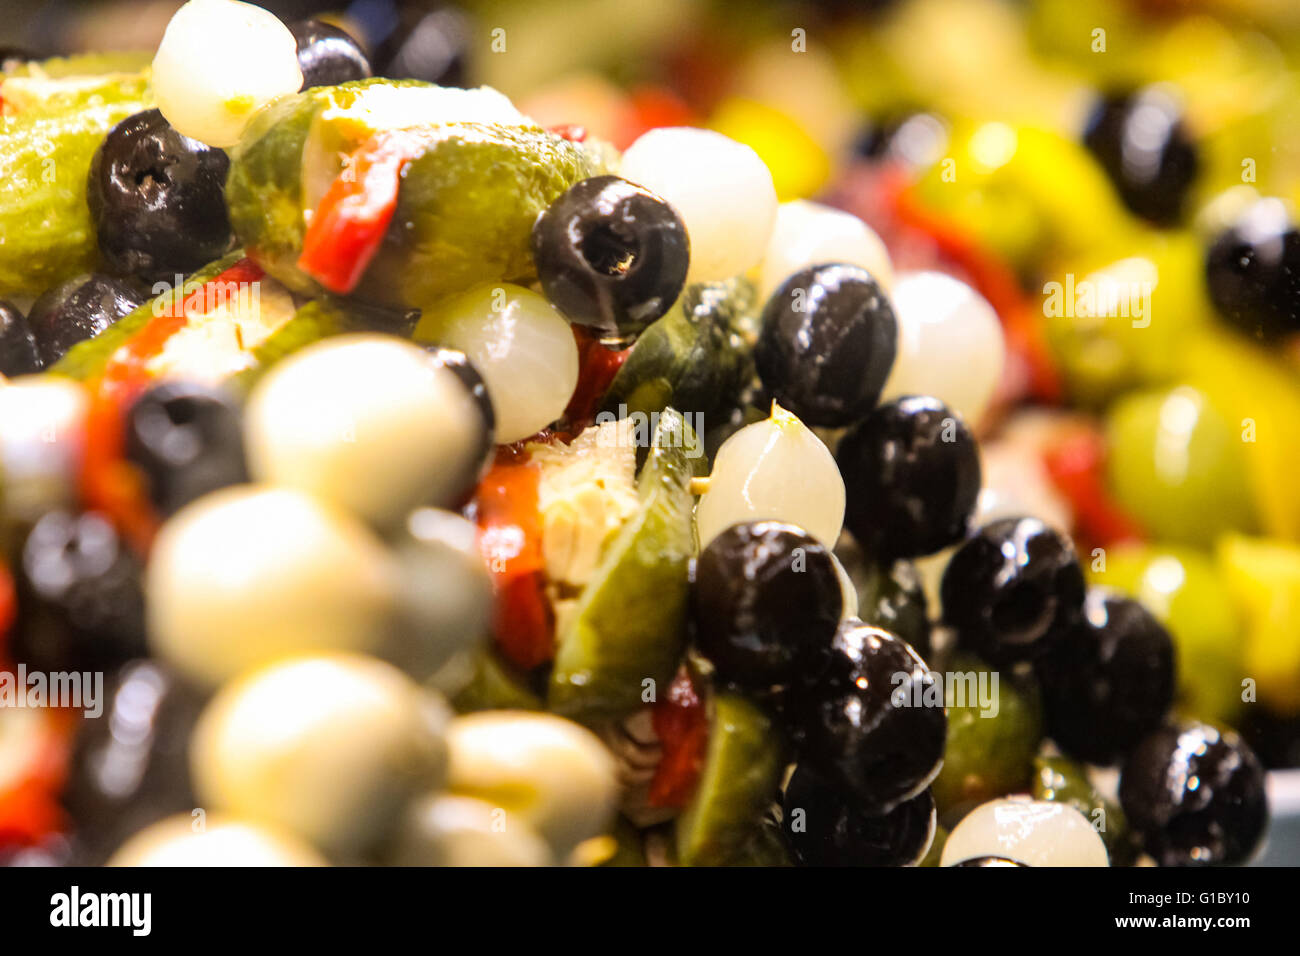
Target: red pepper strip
{"points": [[1076, 465], [348, 226], [683, 730], [29, 809], [108, 483], [597, 367], [993, 280], [510, 541]]}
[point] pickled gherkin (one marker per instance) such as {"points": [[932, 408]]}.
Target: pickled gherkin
{"points": [[465, 207], [49, 131], [695, 358]]}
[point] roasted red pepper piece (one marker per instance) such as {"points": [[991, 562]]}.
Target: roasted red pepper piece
{"points": [[597, 367], [348, 226], [1076, 463], [108, 483], [510, 540], [683, 729]]}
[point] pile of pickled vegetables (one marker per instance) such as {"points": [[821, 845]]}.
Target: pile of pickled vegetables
{"points": [[437, 480]]}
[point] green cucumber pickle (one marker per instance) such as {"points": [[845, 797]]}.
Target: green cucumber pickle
{"points": [[465, 209], [46, 145]]}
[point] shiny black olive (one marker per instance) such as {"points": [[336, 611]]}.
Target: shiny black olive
{"points": [[79, 309], [130, 766], [429, 42], [1141, 142], [911, 475], [990, 861], [79, 594], [871, 718], [826, 827], [765, 603], [827, 344], [1108, 680], [18, 354], [187, 440], [612, 256], [1196, 794], [1011, 589], [327, 55], [158, 199], [1252, 270]]}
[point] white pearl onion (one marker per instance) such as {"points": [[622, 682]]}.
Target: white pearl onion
{"points": [[366, 422], [556, 775], [810, 234], [447, 830], [217, 841], [721, 188], [1033, 832], [520, 344], [328, 747], [218, 63], [775, 469], [250, 574], [949, 344]]}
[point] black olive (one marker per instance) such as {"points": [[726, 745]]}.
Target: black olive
{"points": [[327, 55], [130, 766], [79, 309], [18, 354], [427, 44], [827, 344], [765, 603], [911, 475], [1141, 142], [1196, 794], [825, 827], [158, 199], [187, 440], [1108, 680], [612, 256], [1252, 270], [871, 718], [1011, 589], [990, 861], [79, 594]]}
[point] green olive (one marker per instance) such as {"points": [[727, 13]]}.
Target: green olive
{"points": [[1177, 464], [991, 748]]}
